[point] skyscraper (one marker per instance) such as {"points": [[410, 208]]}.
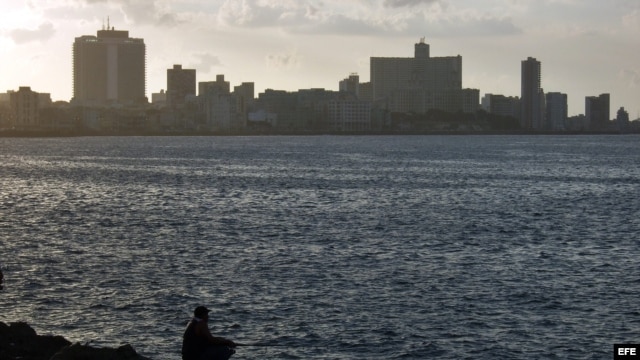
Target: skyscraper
{"points": [[109, 68], [532, 96]]}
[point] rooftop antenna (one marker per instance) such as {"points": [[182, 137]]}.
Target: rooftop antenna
{"points": [[102, 23], [108, 25]]}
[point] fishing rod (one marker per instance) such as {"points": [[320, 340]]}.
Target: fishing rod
{"points": [[262, 345]]}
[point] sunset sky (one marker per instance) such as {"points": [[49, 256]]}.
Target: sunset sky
{"points": [[586, 47]]}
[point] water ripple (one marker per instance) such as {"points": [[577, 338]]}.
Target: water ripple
{"points": [[327, 247]]}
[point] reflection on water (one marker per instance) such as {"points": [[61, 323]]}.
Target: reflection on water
{"points": [[329, 247]]}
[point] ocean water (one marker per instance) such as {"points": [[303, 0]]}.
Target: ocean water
{"points": [[327, 247]]}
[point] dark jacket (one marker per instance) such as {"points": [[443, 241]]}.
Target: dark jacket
{"points": [[193, 346]]}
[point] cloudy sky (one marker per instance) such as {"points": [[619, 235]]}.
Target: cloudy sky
{"points": [[587, 47]]}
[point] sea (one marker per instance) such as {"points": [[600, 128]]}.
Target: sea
{"points": [[327, 247]]}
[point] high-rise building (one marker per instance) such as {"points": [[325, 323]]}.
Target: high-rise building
{"points": [[532, 95], [419, 83], [180, 83], [556, 111], [597, 111], [109, 68]]}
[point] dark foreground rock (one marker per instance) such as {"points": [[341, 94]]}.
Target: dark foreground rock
{"points": [[20, 341]]}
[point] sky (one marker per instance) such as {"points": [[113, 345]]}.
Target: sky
{"points": [[586, 47]]}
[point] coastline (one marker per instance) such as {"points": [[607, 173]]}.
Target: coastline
{"points": [[69, 133]]}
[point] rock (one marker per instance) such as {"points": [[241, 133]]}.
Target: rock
{"points": [[85, 352], [20, 341]]}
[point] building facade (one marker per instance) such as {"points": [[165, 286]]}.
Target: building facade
{"points": [[502, 105], [25, 105], [556, 111], [350, 84], [597, 111], [244, 96], [622, 120], [348, 114], [109, 68], [419, 83], [532, 95], [217, 104], [180, 84]]}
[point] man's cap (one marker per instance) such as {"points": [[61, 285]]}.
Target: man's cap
{"points": [[201, 311]]}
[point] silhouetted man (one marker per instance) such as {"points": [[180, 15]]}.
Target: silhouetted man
{"points": [[199, 344]]}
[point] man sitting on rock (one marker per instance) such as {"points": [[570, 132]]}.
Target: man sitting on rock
{"points": [[199, 344]]}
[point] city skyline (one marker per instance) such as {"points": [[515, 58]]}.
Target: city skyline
{"points": [[585, 48]]}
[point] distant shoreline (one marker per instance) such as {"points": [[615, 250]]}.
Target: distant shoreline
{"points": [[62, 133]]}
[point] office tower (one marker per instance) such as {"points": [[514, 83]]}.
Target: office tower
{"points": [[418, 83], [531, 96], [109, 68], [556, 111], [180, 83], [597, 111]]}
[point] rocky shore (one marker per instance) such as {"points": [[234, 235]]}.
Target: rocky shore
{"points": [[20, 341]]}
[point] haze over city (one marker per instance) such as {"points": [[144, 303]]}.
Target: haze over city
{"points": [[585, 47]]}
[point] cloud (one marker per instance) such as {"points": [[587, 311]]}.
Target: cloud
{"points": [[387, 18], [260, 14], [631, 77], [152, 12], [406, 3], [632, 20], [416, 23], [474, 26], [21, 36], [284, 60], [206, 61]]}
